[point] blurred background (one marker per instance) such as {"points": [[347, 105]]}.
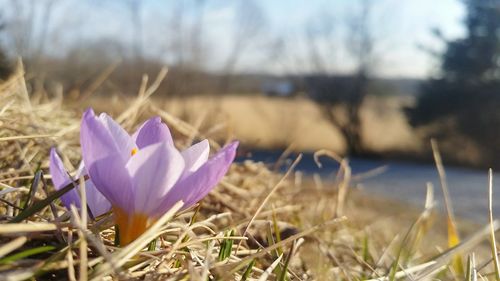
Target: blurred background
{"points": [[374, 80]]}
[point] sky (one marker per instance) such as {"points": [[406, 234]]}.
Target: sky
{"points": [[399, 29]]}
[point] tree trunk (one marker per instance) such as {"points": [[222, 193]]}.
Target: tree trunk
{"points": [[351, 129]]}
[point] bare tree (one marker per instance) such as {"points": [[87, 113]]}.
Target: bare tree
{"points": [[19, 27], [249, 27], [27, 28], [135, 10], [361, 46], [176, 30], [197, 32], [6, 67], [347, 93], [186, 47], [46, 17], [321, 42]]}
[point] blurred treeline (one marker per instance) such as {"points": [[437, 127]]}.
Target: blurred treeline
{"points": [[47, 35], [459, 104], [463, 100], [38, 32]]}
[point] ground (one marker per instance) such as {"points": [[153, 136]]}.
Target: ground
{"points": [[257, 224]]}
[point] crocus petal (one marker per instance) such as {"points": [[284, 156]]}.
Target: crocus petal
{"points": [[97, 203], [154, 170], [121, 138], [195, 156], [60, 178], [59, 175], [196, 186], [95, 139], [112, 179], [152, 131]]}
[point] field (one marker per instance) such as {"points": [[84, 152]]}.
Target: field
{"points": [[256, 225], [269, 122]]}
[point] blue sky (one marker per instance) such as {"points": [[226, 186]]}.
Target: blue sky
{"points": [[398, 27]]}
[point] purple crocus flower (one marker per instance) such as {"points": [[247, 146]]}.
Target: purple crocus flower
{"points": [[97, 203], [144, 175]]}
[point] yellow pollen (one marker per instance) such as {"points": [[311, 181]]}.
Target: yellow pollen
{"points": [[131, 226], [134, 151]]}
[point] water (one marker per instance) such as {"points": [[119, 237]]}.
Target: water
{"points": [[407, 181]]}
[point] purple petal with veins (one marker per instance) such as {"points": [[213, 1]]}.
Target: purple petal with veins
{"points": [[96, 140], [97, 203], [60, 178], [195, 156], [112, 179], [154, 170], [196, 186], [151, 132], [122, 140]]}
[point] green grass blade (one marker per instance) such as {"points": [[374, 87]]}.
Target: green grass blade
{"points": [[248, 270], [283, 274], [226, 247], [468, 274], [277, 233], [38, 206], [365, 251], [33, 188], [27, 253], [229, 246], [152, 245]]}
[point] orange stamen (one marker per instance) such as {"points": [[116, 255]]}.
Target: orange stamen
{"points": [[134, 151], [131, 225]]}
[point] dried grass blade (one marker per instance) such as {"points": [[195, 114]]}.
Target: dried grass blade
{"points": [[345, 171], [83, 242], [12, 245], [123, 255], [406, 272], [494, 253], [471, 274], [453, 236], [445, 257], [99, 81], [24, 227], [69, 258], [270, 269], [26, 137], [264, 202], [235, 266]]}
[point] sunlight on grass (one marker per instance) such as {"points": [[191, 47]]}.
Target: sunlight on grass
{"points": [[256, 225]]}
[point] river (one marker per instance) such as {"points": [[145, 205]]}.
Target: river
{"points": [[405, 181]]}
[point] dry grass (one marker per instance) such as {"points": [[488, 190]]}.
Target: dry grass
{"points": [[256, 225], [269, 122], [274, 122]]}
